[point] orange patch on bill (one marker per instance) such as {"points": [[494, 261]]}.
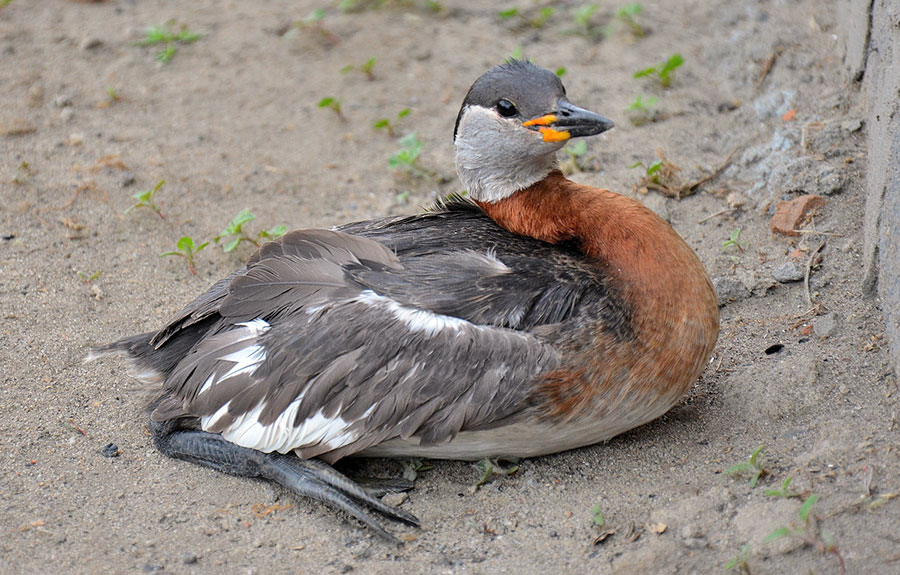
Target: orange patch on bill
{"points": [[551, 135], [542, 121]]}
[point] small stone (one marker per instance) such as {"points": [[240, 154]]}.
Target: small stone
{"points": [[824, 325], [189, 558], [16, 127], [729, 290], [91, 43], [394, 499], [110, 450], [790, 215], [736, 200], [692, 536], [62, 101], [851, 125], [788, 272], [35, 96], [76, 139], [66, 114], [127, 179]]}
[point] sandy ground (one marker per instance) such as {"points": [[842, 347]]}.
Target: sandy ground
{"points": [[232, 122]]}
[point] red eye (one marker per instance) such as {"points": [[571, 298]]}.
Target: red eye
{"points": [[507, 109]]}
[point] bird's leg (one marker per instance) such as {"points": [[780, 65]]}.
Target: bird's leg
{"points": [[305, 477]]}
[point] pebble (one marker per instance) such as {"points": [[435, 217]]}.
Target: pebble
{"points": [[824, 325], [394, 499], [35, 96], [62, 101], [729, 290], [127, 179], [91, 43], [788, 272], [66, 114], [189, 558], [76, 139], [851, 125], [790, 215], [692, 536], [110, 450]]}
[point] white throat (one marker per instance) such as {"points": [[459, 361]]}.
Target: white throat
{"points": [[496, 157]]}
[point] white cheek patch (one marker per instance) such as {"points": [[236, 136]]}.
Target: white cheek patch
{"points": [[414, 319]]}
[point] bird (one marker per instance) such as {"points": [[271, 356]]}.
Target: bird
{"points": [[529, 315]]}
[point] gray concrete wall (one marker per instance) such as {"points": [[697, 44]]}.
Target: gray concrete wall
{"points": [[870, 32]]}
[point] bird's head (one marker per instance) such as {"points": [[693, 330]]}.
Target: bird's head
{"points": [[514, 119]]}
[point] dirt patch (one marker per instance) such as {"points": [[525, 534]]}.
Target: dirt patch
{"points": [[233, 121]]}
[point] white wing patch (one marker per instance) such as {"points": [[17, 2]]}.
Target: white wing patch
{"points": [[281, 435], [414, 319]]}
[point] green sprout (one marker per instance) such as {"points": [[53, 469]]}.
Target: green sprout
{"points": [[237, 234], [185, 248], [314, 22], [561, 72], [641, 105], [88, 278], [740, 561], [576, 151], [168, 37], [508, 13], [627, 15], [385, 123], [412, 468], [752, 467], [651, 171], [583, 16], [734, 240], [809, 532], [407, 157], [663, 71], [597, 515], [365, 68], [332, 104], [491, 468], [145, 200], [783, 491], [23, 172]]}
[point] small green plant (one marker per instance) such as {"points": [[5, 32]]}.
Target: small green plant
{"points": [[407, 157], [112, 94], [88, 278], [537, 21], [508, 13], [783, 491], [5, 3], [385, 123], [641, 105], [597, 515], [187, 249], [627, 15], [412, 468], [651, 172], [23, 173], [314, 23], [740, 561], [365, 68], [491, 468], [235, 232], [734, 241], [145, 200], [809, 533], [582, 16], [403, 198], [167, 36], [561, 72], [332, 104], [664, 71], [752, 467], [575, 150]]}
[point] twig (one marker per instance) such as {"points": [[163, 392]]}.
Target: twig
{"points": [[717, 214], [809, 265], [767, 67], [678, 192], [815, 233]]}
